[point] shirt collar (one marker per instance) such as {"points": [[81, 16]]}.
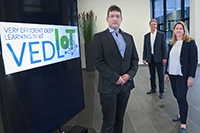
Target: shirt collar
{"points": [[113, 30], [154, 32]]}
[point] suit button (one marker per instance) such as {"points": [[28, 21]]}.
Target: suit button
{"points": [[181, 65], [181, 58]]}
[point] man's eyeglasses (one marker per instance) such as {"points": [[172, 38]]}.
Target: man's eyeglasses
{"points": [[153, 24], [112, 16]]}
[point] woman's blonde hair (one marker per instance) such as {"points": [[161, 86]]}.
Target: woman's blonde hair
{"points": [[186, 36]]}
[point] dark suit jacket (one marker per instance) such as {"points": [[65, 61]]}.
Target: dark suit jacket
{"points": [[160, 48], [111, 65], [188, 58]]}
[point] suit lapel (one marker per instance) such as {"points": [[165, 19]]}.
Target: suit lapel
{"points": [[156, 39], [110, 37], [182, 48], [149, 40], [112, 41], [127, 44]]}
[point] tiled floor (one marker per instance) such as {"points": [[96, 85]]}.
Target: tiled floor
{"points": [[145, 113]]}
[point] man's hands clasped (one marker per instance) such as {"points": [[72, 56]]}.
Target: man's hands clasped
{"points": [[123, 79]]}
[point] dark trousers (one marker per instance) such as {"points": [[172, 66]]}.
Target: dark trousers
{"points": [[152, 69], [180, 88], [113, 109]]}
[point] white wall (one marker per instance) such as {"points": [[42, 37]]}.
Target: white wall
{"points": [[195, 23], [135, 13]]}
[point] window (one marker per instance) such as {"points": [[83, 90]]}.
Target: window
{"points": [[168, 12]]}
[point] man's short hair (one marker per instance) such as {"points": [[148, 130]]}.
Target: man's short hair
{"points": [[114, 8], [153, 20]]}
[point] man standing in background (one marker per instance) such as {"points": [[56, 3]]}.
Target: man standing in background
{"points": [[154, 53], [117, 62]]}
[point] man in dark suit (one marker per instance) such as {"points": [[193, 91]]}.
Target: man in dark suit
{"points": [[117, 62], [154, 53]]}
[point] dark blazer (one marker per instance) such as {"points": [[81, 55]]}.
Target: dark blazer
{"points": [[188, 58], [160, 48], [111, 65]]}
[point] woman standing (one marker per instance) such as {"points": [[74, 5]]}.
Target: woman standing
{"points": [[181, 68]]}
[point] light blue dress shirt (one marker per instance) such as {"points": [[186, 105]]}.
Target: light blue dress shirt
{"points": [[119, 39]]}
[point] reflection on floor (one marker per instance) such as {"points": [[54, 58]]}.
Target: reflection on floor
{"points": [[145, 113]]}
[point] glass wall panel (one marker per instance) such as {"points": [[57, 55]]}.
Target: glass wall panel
{"points": [[187, 8], [173, 14], [168, 12], [158, 11]]}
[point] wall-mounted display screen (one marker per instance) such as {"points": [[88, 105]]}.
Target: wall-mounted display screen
{"points": [[26, 46], [40, 68]]}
